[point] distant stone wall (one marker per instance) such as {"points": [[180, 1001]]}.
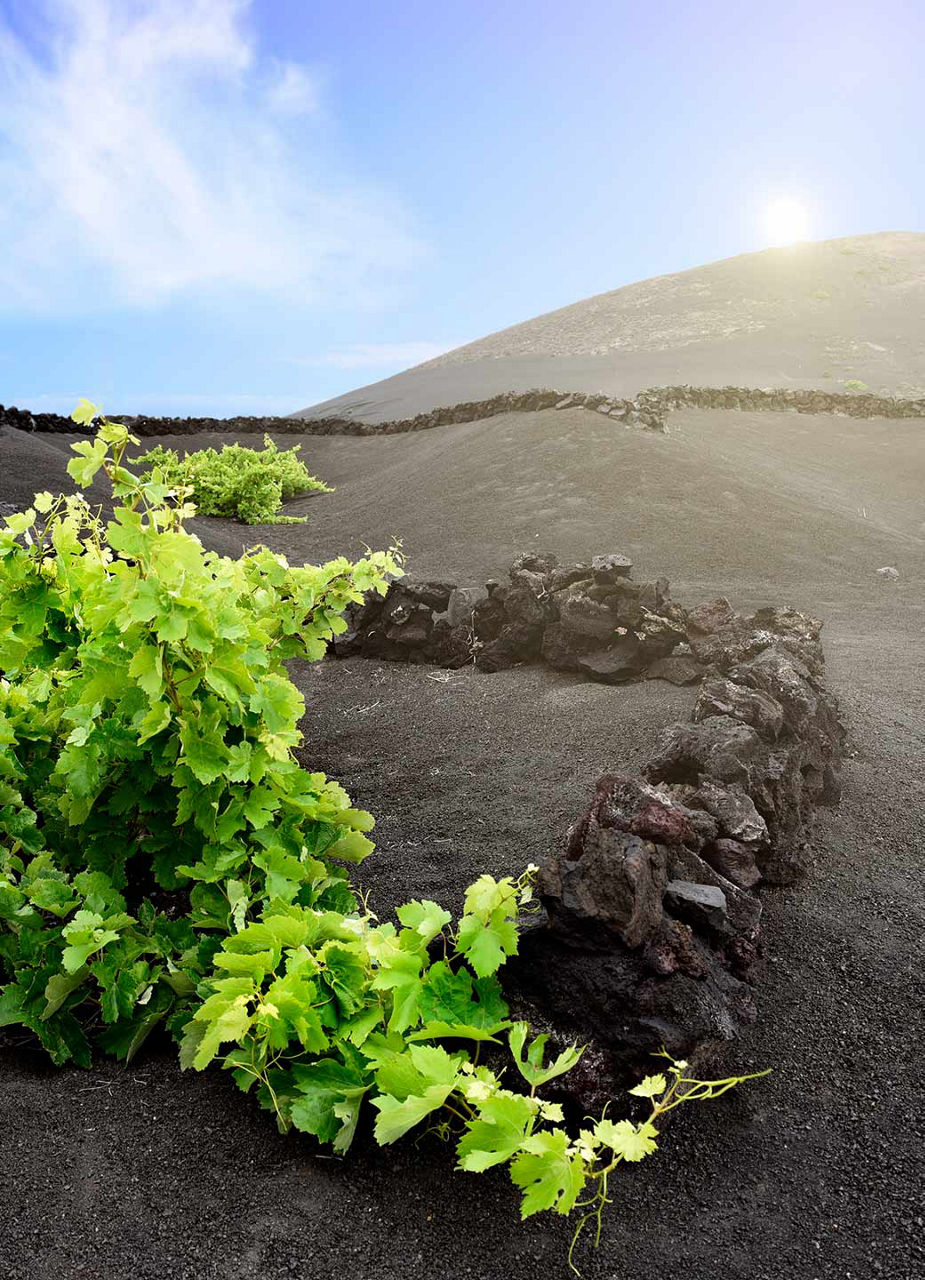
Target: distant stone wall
{"points": [[646, 411]]}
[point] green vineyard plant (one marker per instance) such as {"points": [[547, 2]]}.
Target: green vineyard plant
{"points": [[165, 860], [244, 484]]}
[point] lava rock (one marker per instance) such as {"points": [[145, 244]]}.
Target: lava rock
{"points": [[615, 887], [717, 748], [562, 578], [462, 605], [584, 616], [608, 568], [433, 595], [702, 905], [489, 616], [677, 668], [720, 697], [733, 810], [743, 908], [735, 861], [623, 661], [533, 570]]}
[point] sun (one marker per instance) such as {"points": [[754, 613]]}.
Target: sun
{"points": [[785, 222]]}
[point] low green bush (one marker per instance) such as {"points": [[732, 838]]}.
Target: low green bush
{"points": [[245, 484]]}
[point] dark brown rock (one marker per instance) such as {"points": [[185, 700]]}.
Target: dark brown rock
{"points": [[614, 886], [722, 697], [622, 661], [701, 905], [717, 748], [607, 568], [735, 861], [677, 668]]}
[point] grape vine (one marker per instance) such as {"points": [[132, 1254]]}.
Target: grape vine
{"points": [[165, 860], [246, 484]]}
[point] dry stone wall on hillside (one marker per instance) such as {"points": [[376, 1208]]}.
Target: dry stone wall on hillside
{"points": [[647, 411]]}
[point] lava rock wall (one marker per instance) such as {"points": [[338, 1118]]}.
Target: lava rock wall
{"points": [[651, 927], [651, 934], [646, 411], [590, 618]]}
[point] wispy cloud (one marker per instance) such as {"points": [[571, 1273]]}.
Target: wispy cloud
{"points": [[147, 150], [294, 90], [376, 355]]}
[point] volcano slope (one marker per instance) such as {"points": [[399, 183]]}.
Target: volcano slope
{"points": [[812, 1172], [809, 315]]}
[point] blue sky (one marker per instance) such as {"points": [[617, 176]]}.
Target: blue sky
{"points": [[223, 206]]}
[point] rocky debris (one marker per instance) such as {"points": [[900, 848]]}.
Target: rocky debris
{"points": [[462, 604], [652, 928], [621, 662], [889, 573], [610, 568]]}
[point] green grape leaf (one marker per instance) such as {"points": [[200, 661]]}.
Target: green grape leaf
{"points": [[90, 457], [425, 918], [352, 847], [487, 943], [233, 1024], [532, 1068], [59, 986], [631, 1141], [406, 1004], [498, 1134], [454, 997], [437, 1030], [330, 1095], [650, 1087], [549, 1173], [85, 412], [54, 896]]}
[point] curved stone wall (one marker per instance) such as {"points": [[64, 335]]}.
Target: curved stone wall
{"points": [[652, 929], [651, 933], [590, 618]]}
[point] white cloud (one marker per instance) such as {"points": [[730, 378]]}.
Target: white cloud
{"points": [[294, 90], [377, 355], [145, 152]]}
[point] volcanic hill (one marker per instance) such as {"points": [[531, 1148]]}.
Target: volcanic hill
{"points": [[817, 314]]}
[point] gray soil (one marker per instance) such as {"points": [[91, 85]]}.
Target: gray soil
{"points": [[812, 1173]]}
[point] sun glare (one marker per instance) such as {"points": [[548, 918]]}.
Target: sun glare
{"points": [[785, 222]]}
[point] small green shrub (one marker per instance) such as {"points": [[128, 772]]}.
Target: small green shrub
{"points": [[246, 484], [855, 384]]}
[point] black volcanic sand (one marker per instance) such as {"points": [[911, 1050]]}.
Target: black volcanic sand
{"points": [[815, 1172]]}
